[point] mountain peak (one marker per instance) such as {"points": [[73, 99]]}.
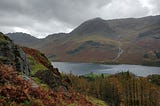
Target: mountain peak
{"points": [[19, 37], [97, 19], [93, 26]]}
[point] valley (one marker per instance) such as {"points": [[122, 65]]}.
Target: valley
{"points": [[27, 77], [119, 41], [79, 52]]}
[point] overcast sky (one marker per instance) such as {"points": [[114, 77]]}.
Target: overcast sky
{"points": [[43, 17]]}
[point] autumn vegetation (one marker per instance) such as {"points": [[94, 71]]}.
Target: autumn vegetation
{"points": [[40, 57], [18, 88], [122, 89], [15, 91]]}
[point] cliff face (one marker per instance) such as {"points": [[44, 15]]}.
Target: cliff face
{"points": [[12, 55]]}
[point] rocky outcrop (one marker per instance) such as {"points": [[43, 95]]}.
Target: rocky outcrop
{"points": [[50, 78], [50, 75], [12, 55]]}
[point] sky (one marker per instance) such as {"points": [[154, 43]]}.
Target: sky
{"points": [[42, 17]]}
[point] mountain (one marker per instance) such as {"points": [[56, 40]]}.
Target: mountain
{"points": [[23, 38], [96, 26], [106, 41]]}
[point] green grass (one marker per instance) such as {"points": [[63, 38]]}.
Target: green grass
{"points": [[96, 101], [94, 75], [101, 39], [27, 103], [73, 104], [35, 65], [38, 81], [95, 38]]}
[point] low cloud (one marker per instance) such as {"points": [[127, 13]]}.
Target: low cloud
{"points": [[43, 17]]}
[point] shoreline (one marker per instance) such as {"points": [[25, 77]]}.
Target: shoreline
{"points": [[105, 63]]}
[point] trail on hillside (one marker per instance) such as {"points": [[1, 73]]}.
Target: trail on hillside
{"points": [[31, 81], [120, 51]]}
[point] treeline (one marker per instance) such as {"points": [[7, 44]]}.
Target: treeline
{"points": [[122, 89]]}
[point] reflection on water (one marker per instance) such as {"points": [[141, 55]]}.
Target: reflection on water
{"points": [[84, 68]]}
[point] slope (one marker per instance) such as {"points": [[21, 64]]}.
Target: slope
{"points": [[99, 40], [27, 78]]}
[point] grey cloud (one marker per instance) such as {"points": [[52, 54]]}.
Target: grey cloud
{"points": [[155, 4], [41, 17]]}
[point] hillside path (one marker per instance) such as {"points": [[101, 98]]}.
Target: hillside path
{"points": [[120, 51], [32, 82]]}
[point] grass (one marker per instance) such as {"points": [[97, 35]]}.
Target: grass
{"points": [[38, 81], [35, 65], [73, 104], [94, 75], [27, 103], [95, 38], [96, 101], [101, 39]]}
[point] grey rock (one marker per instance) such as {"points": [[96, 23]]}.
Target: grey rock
{"points": [[12, 55]]}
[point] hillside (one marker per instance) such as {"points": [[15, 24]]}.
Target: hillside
{"points": [[105, 41], [27, 78]]}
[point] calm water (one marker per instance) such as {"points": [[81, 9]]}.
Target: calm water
{"points": [[84, 68]]}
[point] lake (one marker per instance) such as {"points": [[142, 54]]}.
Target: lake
{"points": [[85, 68]]}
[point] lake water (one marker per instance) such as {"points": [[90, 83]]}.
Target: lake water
{"points": [[85, 68]]}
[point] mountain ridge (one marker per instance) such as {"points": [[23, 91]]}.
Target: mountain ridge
{"points": [[137, 36], [99, 18]]}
